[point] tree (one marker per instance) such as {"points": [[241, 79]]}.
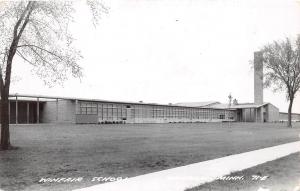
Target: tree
{"points": [[38, 32], [281, 62]]}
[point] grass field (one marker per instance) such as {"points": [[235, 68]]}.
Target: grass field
{"points": [[56, 151], [281, 175]]}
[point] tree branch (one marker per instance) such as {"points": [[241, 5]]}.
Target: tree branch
{"points": [[43, 60], [30, 9], [24, 58], [15, 41], [21, 19], [42, 49], [37, 22]]}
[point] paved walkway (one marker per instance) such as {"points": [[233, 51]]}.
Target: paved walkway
{"points": [[180, 178]]}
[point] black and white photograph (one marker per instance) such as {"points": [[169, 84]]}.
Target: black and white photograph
{"points": [[150, 95]]}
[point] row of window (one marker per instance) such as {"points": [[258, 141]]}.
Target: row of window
{"points": [[121, 111]]}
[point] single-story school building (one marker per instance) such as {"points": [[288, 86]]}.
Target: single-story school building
{"points": [[46, 109], [284, 117]]}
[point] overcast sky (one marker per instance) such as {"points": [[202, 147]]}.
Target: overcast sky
{"points": [[168, 51]]}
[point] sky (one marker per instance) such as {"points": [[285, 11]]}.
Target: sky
{"points": [[169, 51]]}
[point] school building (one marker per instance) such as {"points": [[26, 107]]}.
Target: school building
{"points": [[47, 109]]}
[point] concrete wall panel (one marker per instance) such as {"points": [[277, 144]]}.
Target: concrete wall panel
{"points": [[64, 113], [273, 113]]}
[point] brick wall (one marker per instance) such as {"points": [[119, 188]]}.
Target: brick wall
{"points": [[273, 113], [64, 113]]}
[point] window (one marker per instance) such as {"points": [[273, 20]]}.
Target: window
{"points": [[222, 116], [88, 108]]}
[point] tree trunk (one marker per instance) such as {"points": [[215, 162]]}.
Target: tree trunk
{"points": [[5, 85], [5, 140], [290, 113]]}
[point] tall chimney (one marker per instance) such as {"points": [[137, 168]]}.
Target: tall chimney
{"points": [[258, 78]]}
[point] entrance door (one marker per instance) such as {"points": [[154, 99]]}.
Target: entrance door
{"points": [[239, 115], [265, 117]]}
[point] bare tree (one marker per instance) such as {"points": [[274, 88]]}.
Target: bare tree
{"points": [[281, 62], [38, 32]]}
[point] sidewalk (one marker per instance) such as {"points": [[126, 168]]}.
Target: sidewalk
{"points": [[181, 178]]}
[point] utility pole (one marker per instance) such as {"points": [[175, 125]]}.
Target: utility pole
{"points": [[229, 105]]}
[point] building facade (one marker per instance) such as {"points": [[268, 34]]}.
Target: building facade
{"points": [[45, 109], [75, 110], [284, 117]]}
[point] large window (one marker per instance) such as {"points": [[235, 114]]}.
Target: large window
{"points": [[87, 108], [221, 116]]}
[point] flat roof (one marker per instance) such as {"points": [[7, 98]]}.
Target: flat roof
{"points": [[238, 106], [197, 104], [287, 113], [107, 101]]}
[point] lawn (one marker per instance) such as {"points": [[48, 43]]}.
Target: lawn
{"points": [[280, 175], [62, 151]]}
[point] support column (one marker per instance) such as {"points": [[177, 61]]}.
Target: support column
{"points": [[38, 110], [117, 111], [16, 109], [77, 110], [27, 112], [56, 109], [76, 107], [102, 110]]}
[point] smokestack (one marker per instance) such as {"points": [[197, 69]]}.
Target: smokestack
{"points": [[258, 78]]}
